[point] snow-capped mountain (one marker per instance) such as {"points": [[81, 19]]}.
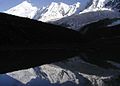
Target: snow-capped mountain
{"points": [[24, 9], [75, 22], [75, 15], [51, 12], [98, 3], [105, 3], [96, 10], [57, 11]]}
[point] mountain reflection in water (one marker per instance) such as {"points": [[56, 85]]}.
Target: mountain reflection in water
{"points": [[73, 65]]}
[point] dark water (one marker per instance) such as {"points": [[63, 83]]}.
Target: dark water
{"points": [[96, 52], [30, 58]]}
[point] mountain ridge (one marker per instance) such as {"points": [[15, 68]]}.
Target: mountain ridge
{"points": [[55, 10], [58, 10], [60, 13]]}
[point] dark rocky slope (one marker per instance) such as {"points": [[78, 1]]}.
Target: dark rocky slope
{"points": [[28, 43]]}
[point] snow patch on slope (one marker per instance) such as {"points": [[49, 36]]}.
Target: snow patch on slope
{"points": [[98, 4], [114, 23], [114, 63]]}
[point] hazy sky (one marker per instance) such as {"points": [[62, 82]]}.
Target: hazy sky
{"points": [[6, 4]]}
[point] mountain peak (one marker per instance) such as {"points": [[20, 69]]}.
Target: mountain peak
{"points": [[51, 12], [26, 2], [53, 3], [58, 10], [25, 9], [58, 4], [77, 4]]}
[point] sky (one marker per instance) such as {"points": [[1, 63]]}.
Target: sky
{"points": [[7, 4]]}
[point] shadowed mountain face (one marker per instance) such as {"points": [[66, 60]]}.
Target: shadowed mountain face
{"points": [[28, 43], [22, 31], [114, 4], [102, 41]]}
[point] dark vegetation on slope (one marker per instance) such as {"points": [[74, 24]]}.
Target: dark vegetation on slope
{"points": [[26, 43], [103, 42]]}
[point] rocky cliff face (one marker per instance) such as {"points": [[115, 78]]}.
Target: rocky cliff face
{"points": [[114, 4]]}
